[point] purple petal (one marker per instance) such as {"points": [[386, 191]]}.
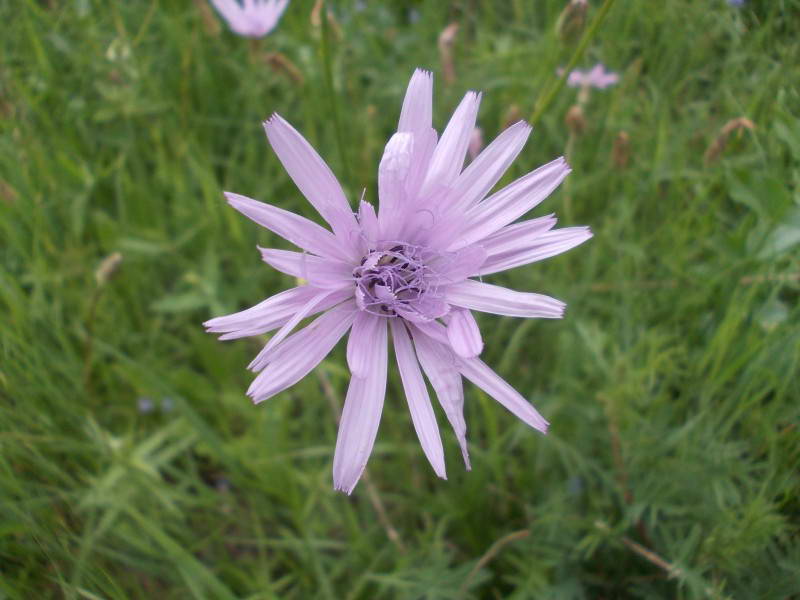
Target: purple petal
{"points": [[486, 170], [264, 316], [452, 267], [511, 202], [540, 247], [320, 272], [369, 224], [298, 230], [486, 297], [301, 314], [294, 358], [448, 157], [490, 382], [313, 177], [361, 414], [463, 334], [359, 349], [416, 114], [392, 173], [419, 404], [512, 236], [437, 362]]}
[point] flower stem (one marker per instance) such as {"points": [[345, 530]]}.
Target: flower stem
{"points": [[549, 95], [327, 73]]}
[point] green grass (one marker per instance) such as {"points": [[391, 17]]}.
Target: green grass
{"points": [[672, 384]]}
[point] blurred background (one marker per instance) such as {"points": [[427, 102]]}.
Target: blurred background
{"points": [[133, 466]]}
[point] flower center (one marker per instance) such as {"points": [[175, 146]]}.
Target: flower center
{"points": [[391, 281]]}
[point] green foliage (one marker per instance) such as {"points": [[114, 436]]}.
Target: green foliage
{"points": [[132, 465]]}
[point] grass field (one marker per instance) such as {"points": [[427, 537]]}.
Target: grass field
{"points": [[133, 466]]}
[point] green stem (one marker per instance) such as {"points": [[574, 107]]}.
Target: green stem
{"points": [[327, 71], [547, 98]]}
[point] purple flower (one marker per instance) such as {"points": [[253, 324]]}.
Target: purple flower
{"points": [[251, 18], [598, 78], [409, 268]]}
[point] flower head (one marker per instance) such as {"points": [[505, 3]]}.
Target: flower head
{"points": [[597, 77], [408, 269], [251, 18]]}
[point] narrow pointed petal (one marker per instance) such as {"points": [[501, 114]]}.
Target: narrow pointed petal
{"points": [[486, 297], [417, 111], [486, 170], [510, 203], [513, 236], [453, 267], [320, 272], [359, 357], [392, 173], [490, 382], [362, 414], [437, 362], [298, 230], [264, 316], [543, 246], [301, 314], [313, 177], [294, 358], [448, 157], [419, 403], [463, 333], [369, 224]]}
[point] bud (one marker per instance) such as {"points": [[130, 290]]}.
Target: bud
{"points": [[108, 268], [714, 151], [621, 151], [446, 40], [280, 63], [513, 114], [576, 122], [316, 19], [572, 20]]}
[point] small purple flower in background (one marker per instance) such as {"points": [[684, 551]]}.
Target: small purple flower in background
{"points": [[407, 269], [251, 18], [597, 77]]}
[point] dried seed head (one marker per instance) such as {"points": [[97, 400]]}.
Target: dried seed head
{"points": [[575, 120], [107, 268], [280, 63], [621, 151], [716, 148], [446, 40], [572, 20]]}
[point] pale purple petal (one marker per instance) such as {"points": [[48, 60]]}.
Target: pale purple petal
{"points": [[301, 314], [294, 358], [486, 297], [313, 177], [298, 230], [448, 157], [511, 202], [438, 364], [417, 111], [365, 327], [251, 19], [486, 170], [463, 334], [361, 414], [392, 173], [490, 382], [264, 316], [452, 267], [419, 403], [511, 237], [369, 224], [320, 272], [543, 246]]}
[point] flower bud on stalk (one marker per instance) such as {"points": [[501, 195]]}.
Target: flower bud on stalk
{"points": [[446, 40], [575, 120], [572, 21], [621, 151]]}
